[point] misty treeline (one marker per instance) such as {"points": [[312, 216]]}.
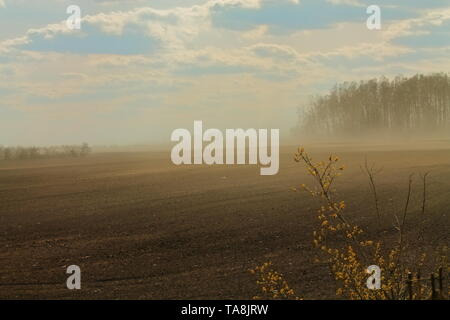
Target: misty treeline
{"points": [[17, 153], [419, 104]]}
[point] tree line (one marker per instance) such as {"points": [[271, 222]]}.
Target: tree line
{"points": [[19, 153], [403, 105]]}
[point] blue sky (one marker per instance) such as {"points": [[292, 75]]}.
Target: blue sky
{"points": [[138, 69]]}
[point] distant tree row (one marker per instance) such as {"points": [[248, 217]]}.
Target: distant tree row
{"points": [[13, 153], [416, 104]]}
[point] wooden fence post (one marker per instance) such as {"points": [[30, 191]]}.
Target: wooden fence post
{"points": [[433, 289], [410, 286], [441, 287], [419, 286]]}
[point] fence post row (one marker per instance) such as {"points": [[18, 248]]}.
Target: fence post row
{"points": [[436, 293]]}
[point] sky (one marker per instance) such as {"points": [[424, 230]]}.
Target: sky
{"points": [[139, 69]]}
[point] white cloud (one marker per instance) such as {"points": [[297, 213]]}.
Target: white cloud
{"points": [[174, 27], [256, 33], [346, 2], [413, 26]]}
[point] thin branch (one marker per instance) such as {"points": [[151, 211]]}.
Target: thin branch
{"points": [[424, 194], [371, 174]]}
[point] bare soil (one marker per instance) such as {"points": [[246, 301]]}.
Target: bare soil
{"points": [[142, 228]]}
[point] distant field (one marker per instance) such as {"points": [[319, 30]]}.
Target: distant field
{"points": [[141, 228]]}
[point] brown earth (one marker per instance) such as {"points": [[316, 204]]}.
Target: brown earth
{"points": [[141, 228]]}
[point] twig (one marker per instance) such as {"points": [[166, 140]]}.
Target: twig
{"points": [[371, 174]]}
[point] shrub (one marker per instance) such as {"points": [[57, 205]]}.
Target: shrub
{"points": [[349, 250]]}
